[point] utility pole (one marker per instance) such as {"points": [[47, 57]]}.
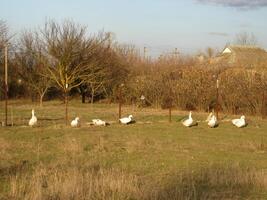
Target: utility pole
{"points": [[145, 51], [175, 55], [5, 85], [109, 39], [176, 52]]}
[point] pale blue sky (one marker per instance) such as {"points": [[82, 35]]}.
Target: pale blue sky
{"points": [[161, 25]]}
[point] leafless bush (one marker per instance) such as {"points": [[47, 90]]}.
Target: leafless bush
{"points": [[241, 90]]}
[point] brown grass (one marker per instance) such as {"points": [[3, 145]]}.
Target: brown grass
{"points": [[4, 146], [74, 183], [95, 182]]}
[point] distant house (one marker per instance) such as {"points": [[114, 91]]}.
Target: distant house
{"points": [[247, 56]]}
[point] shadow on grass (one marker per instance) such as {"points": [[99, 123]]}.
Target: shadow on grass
{"points": [[50, 119], [13, 169], [214, 182], [24, 121]]}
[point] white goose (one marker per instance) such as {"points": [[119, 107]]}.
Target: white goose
{"points": [[99, 122], [239, 122], [188, 122], [33, 120], [126, 120], [213, 121], [75, 122], [209, 117]]}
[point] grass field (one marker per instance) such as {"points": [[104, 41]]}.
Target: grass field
{"points": [[151, 159]]}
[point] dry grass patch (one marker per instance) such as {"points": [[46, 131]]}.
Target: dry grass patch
{"points": [[95, 182], [74, 183]]}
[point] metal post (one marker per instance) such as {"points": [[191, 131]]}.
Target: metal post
{"points": [[119, 102], [6, 86], [217, 98], [66, 108], [170, 114], [170, 103], [66, 101], [263, 109], [120, 99]]}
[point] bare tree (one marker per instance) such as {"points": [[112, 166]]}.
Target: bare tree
{"points": [[73, 54], [95, 84], [244, 38], [5, 42], [210, 52], [32, 63], [3, 33]]}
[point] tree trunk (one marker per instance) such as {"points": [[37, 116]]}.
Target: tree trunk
{"points": [[66, 108], [41, 97], [83, 97], [33, 97], [92, 97], [41, 101]]}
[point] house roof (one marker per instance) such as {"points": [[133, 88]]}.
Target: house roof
{"points": [[245, 54], [245, 49]]}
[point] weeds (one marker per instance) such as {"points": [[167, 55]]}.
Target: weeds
{"points": [[91, 182]]}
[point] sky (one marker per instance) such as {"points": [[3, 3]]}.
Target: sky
{"points": [[160, 25]]}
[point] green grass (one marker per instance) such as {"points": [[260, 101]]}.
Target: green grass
{"points": [[160, 160]]}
